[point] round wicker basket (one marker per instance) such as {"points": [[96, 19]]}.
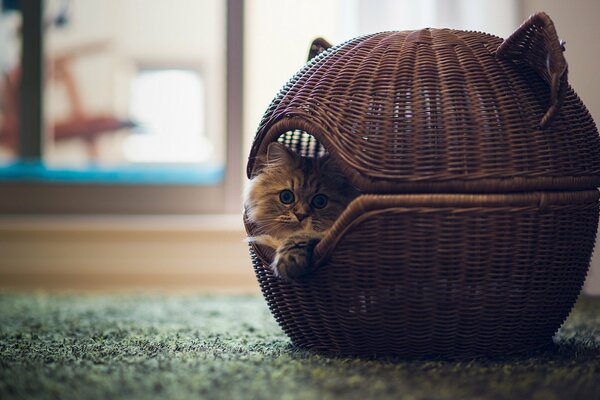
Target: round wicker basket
{"points": [[478, 166]]}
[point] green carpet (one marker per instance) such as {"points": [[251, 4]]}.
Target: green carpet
{"points": [[229, 347]]}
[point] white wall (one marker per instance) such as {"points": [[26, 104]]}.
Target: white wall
{"points": [[496, 17]]}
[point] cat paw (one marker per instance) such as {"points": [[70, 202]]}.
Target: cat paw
{"points": [[293, 259]]}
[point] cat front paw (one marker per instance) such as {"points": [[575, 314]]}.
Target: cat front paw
{"points": [[293, 259]]}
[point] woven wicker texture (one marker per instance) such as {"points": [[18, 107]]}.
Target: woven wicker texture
{"points": [[440, 110], [419, 280], [478, 166]]}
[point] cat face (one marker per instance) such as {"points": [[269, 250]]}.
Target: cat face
{"points": [[293, 193]]}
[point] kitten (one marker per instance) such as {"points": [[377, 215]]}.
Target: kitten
{"points": [[292, 201]]}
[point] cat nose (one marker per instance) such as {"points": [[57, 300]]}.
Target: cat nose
{"points": [[300, 215]]}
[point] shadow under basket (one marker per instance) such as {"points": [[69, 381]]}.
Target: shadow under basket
{"points": [[478, 167]]}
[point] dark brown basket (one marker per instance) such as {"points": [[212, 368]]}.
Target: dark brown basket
{"points": [[478, 166]]}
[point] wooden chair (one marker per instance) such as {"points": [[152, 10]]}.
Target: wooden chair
{"points": [[79, 124]]}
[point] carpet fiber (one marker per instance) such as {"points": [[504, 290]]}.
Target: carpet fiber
{"points": [[229, 347]]}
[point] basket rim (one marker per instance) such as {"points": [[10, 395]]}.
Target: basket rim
{"points": [[366, 205]]}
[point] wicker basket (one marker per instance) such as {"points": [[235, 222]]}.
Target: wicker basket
{"points": [[478, 166]]}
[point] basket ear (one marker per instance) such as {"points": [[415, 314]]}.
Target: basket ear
{"points": [[536, 44], [317, 46]]}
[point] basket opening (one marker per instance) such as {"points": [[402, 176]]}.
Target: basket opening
{"points": [[302, 143], [297, 140]]}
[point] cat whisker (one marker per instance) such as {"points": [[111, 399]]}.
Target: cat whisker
{"points": [[265, 240], [271, 225]]}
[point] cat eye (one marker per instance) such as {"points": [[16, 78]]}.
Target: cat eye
{"points": [[286, 196], [319, 201]]}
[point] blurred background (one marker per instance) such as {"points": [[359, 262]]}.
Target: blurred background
{"points": [[122, 159]]}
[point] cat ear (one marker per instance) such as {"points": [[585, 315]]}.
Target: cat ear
{"points": [[317, 46], [278, 153], [536, 44]]}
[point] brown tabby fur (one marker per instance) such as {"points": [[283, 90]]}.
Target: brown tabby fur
{"points": [[293, 230]]}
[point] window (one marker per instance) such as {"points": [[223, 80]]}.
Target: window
{"points": [[126, 124], [169, 106], [160, 87]]}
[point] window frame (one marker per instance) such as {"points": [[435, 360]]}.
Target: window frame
{"points": [[35, 197]]}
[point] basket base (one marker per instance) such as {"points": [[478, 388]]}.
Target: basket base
{"points": [[450, 280]]}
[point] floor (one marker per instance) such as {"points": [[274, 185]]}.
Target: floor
{"points": [[178, 346]]}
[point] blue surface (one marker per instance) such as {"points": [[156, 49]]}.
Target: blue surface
{"points": [[177, 174]]}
